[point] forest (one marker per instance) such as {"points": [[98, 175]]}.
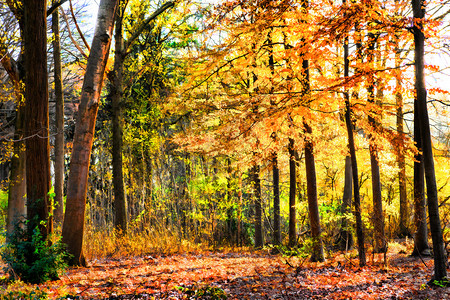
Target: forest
{"points": [[262, 149]]}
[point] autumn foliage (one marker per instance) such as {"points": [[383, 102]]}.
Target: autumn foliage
{"points": [[300, 128]]}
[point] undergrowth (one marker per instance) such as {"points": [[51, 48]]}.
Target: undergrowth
{"points": [[33, 259], [101, 244]]}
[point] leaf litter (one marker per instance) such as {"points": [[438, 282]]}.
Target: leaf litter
{"points": [[248, 275]]}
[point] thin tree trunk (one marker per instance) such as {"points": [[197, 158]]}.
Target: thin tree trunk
{"points": [[276, 201], [17, 180], [292, 195], [120, 202], [440, 258], [378, 218], [313, 206], [404, 211], [351, 144], [36, 117], [275, 169], [421, 246], [84, 132], [259, 238], [345, 236], [59, 123]]}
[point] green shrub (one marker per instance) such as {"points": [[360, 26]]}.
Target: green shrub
{"points": [[33, 259], [203, 292], [21, 290]]}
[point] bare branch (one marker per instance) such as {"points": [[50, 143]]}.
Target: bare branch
{"points": [[78, 27], [55, 6], [71, 36]]}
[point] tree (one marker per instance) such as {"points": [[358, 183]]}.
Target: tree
{"points": [[345, 236], [351, 146], [73, 226], [259, 235], [59, 121], [116, 94], [313, 207], [120, 204], [17, 181], [440, 259], [378, 217], [36, 117], [276, 201]]}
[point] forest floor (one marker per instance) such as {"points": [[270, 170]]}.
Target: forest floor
{"points": [[248, 275]]}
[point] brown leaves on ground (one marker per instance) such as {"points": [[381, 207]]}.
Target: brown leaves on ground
{"points": [[250, 275]]}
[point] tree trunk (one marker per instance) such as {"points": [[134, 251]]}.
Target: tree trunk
{"points": [[120, 203], [59, 123], [292, 195], [276, 201], [36, 117], [378, 218], [440, 258], [84, 132], [421, 246], [404, 211], [345, 236], [313, 206], [259, 238], [17, 180], [351, 146]]}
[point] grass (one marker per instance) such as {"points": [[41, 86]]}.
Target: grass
{"points": [[100, 244]]}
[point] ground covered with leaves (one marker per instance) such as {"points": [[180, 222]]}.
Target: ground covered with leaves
{"points": [[241, 275]]}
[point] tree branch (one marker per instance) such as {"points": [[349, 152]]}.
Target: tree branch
{"points": [[141, 28], [78, 28], [55, 6], [71, 36]]}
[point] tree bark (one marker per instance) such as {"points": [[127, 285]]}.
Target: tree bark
{"points": [[84, 132], [59, 122], [404, 211], [440, 258], [17, 180], [292, 195], [345, 236], [313, 206], [276, 201], [351, 145], [120, 202], [421, 246], [378, 218], [36, 117], [259, 238]]}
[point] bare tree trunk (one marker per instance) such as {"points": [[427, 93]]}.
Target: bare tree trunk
{"points": [[17, 180], [120, 202], [84, 132], [59, 112], [36, 117], [351, 146], [313, 206], [378, 218], [404, 211], [440, 258], [345, 236], [292, 195], [421, 246], [276, 201], [259, 237]]}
